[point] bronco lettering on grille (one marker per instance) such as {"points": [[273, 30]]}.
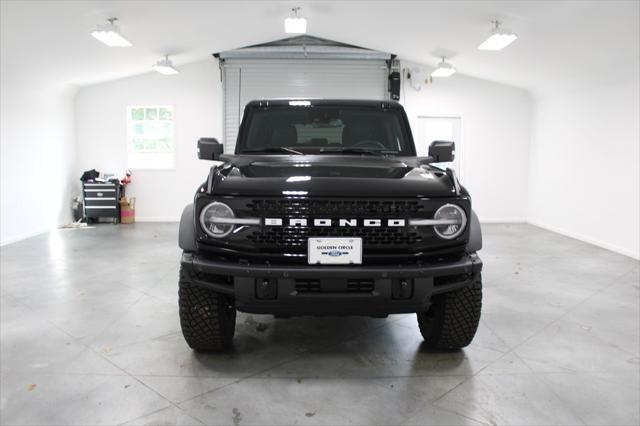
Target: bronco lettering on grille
{"points": [[373, 223]]}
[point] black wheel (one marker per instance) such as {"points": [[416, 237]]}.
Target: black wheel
{"points": [[453, 318], [207, 318]]}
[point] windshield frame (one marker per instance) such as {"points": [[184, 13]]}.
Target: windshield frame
{"points": [[241, 141]]}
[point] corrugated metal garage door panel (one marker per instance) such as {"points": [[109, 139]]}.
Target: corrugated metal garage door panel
{"points": [[231, 90], [250, 79]]}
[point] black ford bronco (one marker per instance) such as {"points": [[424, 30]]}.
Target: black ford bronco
{"points": [[325, 209]]}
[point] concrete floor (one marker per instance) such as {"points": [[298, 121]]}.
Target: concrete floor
{"points": [[90, 335]]}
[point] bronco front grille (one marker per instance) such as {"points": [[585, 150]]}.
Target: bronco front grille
{"points": [[286, 243], [296, 237], [291, 236], [335, 208]]}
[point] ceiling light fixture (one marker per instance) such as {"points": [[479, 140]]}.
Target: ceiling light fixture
{"points": [[165, 66], [295, 24], [498, 39], [110, 35], [444, 69]]}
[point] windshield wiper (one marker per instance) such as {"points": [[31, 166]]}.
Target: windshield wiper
{"points": [[273, 150], [364, 151]]}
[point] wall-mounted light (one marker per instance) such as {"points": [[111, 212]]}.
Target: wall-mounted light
{"points": [[110, 34], [498, 39], [165, 66], [444, 69], [295, 24]]}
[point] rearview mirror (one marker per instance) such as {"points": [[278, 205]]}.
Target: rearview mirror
{"points": [[209, 149], [442, 151]]}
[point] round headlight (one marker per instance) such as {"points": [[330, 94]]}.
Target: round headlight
{"points": [[209, 219], [454, 221]]}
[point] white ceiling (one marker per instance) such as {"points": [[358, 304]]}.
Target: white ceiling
{"points": [[562, 44]]}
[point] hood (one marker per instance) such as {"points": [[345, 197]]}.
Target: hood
{"points": [[329, 175]]}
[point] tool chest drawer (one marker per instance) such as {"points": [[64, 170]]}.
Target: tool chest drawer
{"points": [[101, 200]]}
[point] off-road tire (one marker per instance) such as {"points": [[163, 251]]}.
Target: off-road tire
{"points": [[207, 318], [452, 319]]}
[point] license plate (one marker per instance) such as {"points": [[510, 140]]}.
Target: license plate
{"points": [[335, 251]]}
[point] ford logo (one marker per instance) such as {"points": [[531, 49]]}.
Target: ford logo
{"points": [[335, 253]]}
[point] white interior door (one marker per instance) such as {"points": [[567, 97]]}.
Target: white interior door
{"points": [[441, 129]]}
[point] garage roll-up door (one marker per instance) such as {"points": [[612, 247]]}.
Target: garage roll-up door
{"points": [[246, 80], [259, 76]]}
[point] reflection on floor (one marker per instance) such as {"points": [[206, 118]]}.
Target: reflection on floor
{"points": [[90, 335]]}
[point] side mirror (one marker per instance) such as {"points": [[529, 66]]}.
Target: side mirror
{"points": [[209, 149], [442, 151]]}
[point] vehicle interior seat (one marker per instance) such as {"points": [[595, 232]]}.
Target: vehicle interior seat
{"points": [[283, 136], [354, 133]]}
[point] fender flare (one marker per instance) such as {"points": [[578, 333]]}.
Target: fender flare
{"points": [[187, 231], [475, 234]]}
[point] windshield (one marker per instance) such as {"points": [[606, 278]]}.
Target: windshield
{"points": [[324, 129]]}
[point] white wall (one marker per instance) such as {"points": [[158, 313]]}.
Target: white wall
{"points": [[495, 142], [585, 179], [495, 127], [37, 155], [196, 96]]}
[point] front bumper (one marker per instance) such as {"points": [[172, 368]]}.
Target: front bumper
{"points": [[331, 290]]}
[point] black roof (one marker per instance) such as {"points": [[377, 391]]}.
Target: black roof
{"points": [[367, 103]]}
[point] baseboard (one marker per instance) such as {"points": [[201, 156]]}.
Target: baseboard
{"points": [[23, 236], [157, 219], [503, 220], [594, 241], [577, 236]]}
